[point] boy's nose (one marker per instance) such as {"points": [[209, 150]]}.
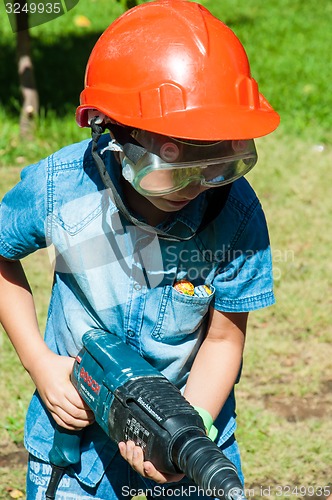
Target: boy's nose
{"points": [[192, 190]]}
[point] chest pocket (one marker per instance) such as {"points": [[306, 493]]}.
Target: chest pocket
{"points": [[180, 315]]}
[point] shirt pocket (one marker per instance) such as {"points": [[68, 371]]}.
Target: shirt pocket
{"points": [[74, 216], [180, 315]]}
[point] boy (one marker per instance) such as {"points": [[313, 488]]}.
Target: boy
{"points": [[158, 237]]}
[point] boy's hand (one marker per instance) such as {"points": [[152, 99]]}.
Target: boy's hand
{"points": [[51, 375], [134, 456]]}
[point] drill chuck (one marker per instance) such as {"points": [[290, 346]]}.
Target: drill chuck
{"points": [[201, 460]]}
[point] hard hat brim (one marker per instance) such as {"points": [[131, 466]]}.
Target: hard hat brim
{"points": [[210, 124]]}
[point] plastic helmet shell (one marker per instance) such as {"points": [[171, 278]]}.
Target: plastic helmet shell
{"points": [[171, 67]]}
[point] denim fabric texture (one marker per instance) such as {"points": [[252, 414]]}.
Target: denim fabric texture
{"points": [[112, 275]]}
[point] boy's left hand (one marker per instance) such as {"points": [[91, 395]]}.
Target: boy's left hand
{"points": [[135, 457]]}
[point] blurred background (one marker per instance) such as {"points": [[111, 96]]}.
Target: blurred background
{"points": [[285, 395]]}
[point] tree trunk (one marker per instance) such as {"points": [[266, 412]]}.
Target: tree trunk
{"points": [[30, 105]]}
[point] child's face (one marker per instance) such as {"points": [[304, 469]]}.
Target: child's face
{"points": [[173, 202]]}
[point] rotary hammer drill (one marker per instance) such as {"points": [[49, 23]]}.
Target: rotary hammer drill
{"points": [[131, 400]]}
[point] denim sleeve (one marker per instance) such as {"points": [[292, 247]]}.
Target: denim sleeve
{"points": [[23, 214], [244, 281]]}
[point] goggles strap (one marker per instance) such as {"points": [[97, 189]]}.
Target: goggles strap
{"points": [[216, 203]]}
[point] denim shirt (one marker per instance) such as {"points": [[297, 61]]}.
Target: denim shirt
{"points": [[112, 275]]}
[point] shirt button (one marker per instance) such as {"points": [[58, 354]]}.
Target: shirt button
{"points": [[137, 286], [131, 334]]}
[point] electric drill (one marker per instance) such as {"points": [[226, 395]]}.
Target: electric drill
{"points": [[131, 400]]}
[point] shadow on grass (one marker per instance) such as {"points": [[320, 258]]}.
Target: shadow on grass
{"points": [[59, 69]]}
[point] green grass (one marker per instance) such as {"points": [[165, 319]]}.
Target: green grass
{"points": [[285, 396]]}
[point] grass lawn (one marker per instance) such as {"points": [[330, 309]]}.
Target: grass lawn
{"points": [[285, 395]]}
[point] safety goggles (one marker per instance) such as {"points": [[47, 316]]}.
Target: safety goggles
{"points": [[157, 165]]}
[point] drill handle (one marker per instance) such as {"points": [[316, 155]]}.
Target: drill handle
{"points": [[65, 451], [66, 447]]}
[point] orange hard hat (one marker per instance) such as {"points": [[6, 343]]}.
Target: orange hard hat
{"points": [[171, 67]]}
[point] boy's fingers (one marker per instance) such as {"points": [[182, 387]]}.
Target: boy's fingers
{"points": [[67, 420], [151, 472], [123, 449], [133, 455]]}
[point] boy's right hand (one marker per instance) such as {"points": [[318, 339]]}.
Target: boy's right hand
{"points": [[51, 375]]}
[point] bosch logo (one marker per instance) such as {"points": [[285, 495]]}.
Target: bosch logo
{"points": [[90, 382]]}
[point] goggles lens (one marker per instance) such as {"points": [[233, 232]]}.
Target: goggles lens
{"points": [[162, 165]]}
